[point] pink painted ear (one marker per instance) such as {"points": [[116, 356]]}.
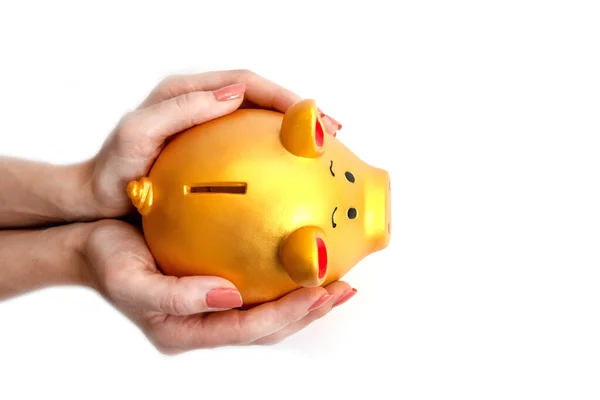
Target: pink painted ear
{"points": [[322, 257], [319, 136], [302, 131], [304, 256]]}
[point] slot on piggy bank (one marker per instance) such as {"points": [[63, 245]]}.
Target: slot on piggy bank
{"points": [[267, 200]]}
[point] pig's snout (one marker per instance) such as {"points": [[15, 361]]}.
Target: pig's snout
{"points": [[378, 218]]}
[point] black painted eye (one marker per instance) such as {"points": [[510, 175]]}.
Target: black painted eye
{"points": [[350, 177], [331, 168], [352, 213]]}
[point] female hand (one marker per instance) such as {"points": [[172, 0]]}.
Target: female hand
{"points": [[178, 103], [181, 314]]}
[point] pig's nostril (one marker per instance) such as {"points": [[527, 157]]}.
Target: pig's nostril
{"points": [[352, 213]]}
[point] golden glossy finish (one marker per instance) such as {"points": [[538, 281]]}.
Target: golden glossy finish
{"points": [[299, 255], [140, 194], [265, 200]]}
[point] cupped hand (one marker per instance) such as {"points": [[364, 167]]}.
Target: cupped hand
{"points": [[182, 314], [176, 104]]}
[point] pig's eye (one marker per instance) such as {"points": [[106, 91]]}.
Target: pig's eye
{"points": [[352, 213], [350, 177], [331, 168]]}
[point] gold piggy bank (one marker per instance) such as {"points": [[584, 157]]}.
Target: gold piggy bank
{"points": [[266, 200]]}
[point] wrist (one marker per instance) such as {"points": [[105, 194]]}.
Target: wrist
{"points": [[76, 199], [36, 194], [33, 259], [76, 243]]}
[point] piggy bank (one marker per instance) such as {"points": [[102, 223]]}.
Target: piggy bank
{"points": [[267, 200]]}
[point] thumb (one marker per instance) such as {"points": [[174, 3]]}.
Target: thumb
{"points": [[187, 295], [169, 117]]}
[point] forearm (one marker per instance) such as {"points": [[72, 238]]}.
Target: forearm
{"points": [[42, 194], [34, 259]]}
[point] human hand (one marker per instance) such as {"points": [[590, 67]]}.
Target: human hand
{"points": [[182, 314], [176, 104]]}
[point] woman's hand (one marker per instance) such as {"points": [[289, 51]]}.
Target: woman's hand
{"points": [[178, 103], [178, 314], [41, 194]]}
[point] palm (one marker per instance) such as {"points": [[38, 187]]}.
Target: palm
{"points": [[172, 312], [178, 103]]}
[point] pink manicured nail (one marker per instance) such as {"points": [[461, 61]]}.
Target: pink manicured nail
{"points": [[345, 297], [321, 302], [332, 120], [230, 92], [335, 122], [224, 298]]}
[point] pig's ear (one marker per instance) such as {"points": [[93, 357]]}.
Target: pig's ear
{"points": [[304, 256], [302, 131]]}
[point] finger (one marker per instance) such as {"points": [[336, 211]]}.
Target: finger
{"points": [[259, 90], [331, 125], [169, 117], [133, 281], [237, 327], [182, 296], [337, 289]]}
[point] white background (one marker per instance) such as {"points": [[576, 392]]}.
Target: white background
{"points": [[485, 113]]}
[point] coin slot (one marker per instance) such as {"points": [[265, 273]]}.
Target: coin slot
{"points": [[216, 187]]}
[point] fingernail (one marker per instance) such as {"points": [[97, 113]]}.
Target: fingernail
{"points": [[333, 120], [224, 298], [345, 297], [321, 302], [230, 92]]}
